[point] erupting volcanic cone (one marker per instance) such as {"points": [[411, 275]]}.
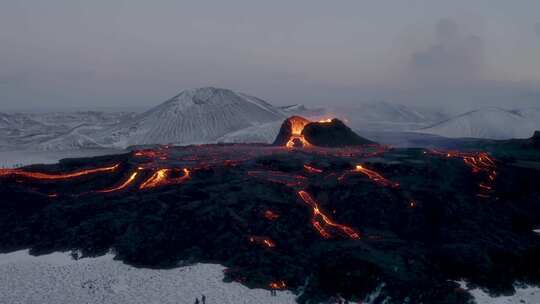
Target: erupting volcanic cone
{"points": [[299, 132], [290, 134], [332, 134]]}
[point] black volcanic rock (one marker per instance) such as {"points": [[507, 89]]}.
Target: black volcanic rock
{"points": [[415, 241], [332, 134], [536, 139], [324, 134]]}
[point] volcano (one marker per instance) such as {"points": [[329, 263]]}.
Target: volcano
{"points": [[193, 116], [318, 221], [297, 131]]}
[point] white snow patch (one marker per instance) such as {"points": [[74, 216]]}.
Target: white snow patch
{"points": [[523, 295], [57, 278], [265, 133]]}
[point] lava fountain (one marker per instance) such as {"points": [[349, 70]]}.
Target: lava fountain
{"points": [[297, 138]]}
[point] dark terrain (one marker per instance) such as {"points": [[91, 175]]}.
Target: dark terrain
{"points": [[318, 221]]}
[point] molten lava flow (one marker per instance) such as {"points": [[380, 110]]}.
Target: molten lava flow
{"points": [[321, 221], [278, 285], [375, 177], [123, 185], [328, 120], [279, 177], [311, 169], [162, 177], [152, 154], [270, 215], [156, 179], [479, 162], [261, 240], [297, 126], [57, 176]]}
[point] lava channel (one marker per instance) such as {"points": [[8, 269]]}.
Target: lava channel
{"points": [[123, 185], [57, 176], [478, 162], [321, 221], [162, 177], [373, 176]]}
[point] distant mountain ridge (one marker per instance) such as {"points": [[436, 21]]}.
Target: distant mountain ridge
{"points": [[489, 123]]}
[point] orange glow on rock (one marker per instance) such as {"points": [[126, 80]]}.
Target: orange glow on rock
{"points": [[162, 177], [297, 126], [123, 185], [57, 176], [376, 177], [261, 240], [311, 169], [270, 215], [278, 285], [479, 162], [321, 221]]}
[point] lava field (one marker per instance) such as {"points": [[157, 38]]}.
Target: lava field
{"points": [[319, 221]]}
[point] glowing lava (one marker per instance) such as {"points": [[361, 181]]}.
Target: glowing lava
{"points": [[278, 285], [321, 221], [261, 240], [152, 154], [279, 177], [162, 177], [375, 177], [270, 215], [58, 176], [372, 175], [123, 185], [313, 170], [479, 162], [297, 138]]}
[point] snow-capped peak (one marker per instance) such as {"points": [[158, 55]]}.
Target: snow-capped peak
{"points": [[195, 116]]}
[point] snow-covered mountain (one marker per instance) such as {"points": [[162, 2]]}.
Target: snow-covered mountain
{"points": [[302, 110], [76, 138], [492, 123], [74, 119], [193, 116], [382, 111], [17, 124], [265, 133], [385, 116]]}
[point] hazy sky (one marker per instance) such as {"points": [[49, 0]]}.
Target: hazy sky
{"points": [[110, 53]]}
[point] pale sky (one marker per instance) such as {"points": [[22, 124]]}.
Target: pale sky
{"points": [[135, 53]]}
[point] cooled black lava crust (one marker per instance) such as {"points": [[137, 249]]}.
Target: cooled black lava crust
{"points": [[416, 238]]}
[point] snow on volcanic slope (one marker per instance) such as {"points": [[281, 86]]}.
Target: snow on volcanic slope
{"points": [[74, 139], [492, 123], [57, 278], [193, 116], [265, 133]]}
